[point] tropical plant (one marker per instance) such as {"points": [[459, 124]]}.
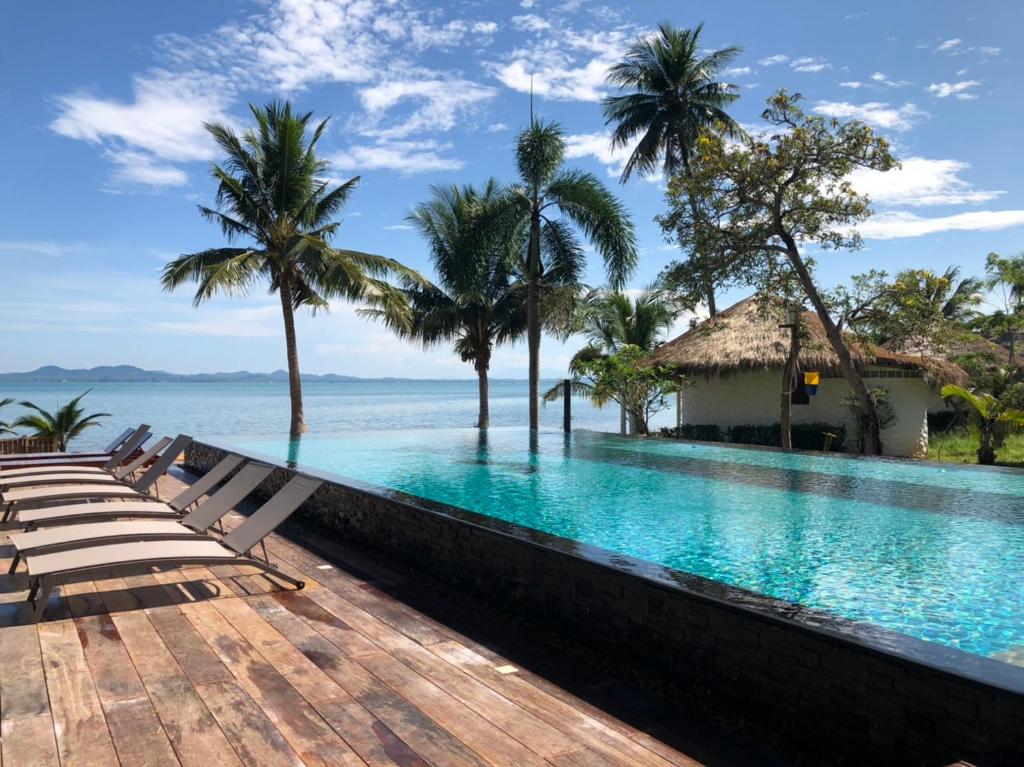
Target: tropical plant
{"points": [[641, 390], [1005, 282], [64, 425], [988, 412], [674, 97], [5, 428], [477, 302], [887, 415], [273, 193], [542, 212], [762, 201], [611, 320]]}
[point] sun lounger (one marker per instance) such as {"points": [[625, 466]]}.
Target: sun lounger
{"points": [[114, 509], [128, 446], [206, 515], [59, 475], [58, 454], [236, 548], [14, 500]]}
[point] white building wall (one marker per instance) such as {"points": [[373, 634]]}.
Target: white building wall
{"points": [[753, 398]]}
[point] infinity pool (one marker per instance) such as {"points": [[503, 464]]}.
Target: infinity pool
{"points": [[933, 553]]}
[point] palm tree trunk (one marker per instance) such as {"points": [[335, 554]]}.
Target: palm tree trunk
{"points": [[482, 363], [872, 431], [986, 453], [298, 421], [786, 401], [533, 316]]}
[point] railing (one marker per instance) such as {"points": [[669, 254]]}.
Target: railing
{"points": [[24, 445]]}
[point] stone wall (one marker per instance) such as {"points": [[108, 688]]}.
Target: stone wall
{"points": [[837, 700]]}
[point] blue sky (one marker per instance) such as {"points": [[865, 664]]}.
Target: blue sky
{"points": [[105, 156]]}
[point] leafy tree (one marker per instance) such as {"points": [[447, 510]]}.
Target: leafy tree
{"points": [[478, 303], [762, 200], [674, 96], [641, 390], [883, 404], [273, 193], [988, 412], [64, 425], [542, 211], [917, 309]]}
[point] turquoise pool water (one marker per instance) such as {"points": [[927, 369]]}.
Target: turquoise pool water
{"points": [[933, 553]]}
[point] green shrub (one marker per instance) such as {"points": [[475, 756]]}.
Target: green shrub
{"points": [[806, 436], [705, 432]]}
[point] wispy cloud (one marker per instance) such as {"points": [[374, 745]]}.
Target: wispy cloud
{"points": [[894, 225], [874, 113], [809, 64], [947, 46], [599, 147], [769, 61], [854, 84], [960, 90], [44, 248], [921, 182], [403, 156], [440, 104]]}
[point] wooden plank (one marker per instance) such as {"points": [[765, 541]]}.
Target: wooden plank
{"points": [[610, 742], [28, 740], [22, 681], [82, 599], [437, 745], [196, 658], [257, 741], [192, 729], [506, 716], [138, 735], [583, 757], [351, 642], [81, 729], [190, 584], [305, 730]]}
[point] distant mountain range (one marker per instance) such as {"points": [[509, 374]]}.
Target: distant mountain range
{"points": [[132, 374]]}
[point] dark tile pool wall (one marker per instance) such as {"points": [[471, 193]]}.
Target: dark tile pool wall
{"points": [[833, 699]]}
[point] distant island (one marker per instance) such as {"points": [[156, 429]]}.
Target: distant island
{"points": [[132, 374]]}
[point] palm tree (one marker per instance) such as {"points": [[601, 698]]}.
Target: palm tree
{"points": [[271, 192], [674, 97], [64, 425], [612, 321], [987, 411], [552, 255], [478, 302], [5, 428]]}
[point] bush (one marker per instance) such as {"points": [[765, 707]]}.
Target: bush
{"points": [[941, 421], [806, 436]]}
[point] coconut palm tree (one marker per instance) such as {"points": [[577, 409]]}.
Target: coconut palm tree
{"points": [[987, 411], [478, 302], [64, 425], [543, 212], [674, 96], [272, 193]]}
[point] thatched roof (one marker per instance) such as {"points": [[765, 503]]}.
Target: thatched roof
{"points": [[747, 336]]}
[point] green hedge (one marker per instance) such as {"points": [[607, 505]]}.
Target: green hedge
{"points": [[806, 436]]}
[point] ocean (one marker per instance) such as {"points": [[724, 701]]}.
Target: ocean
{"points": [[232, 410]]}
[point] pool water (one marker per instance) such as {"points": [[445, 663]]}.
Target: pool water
{"points": [[930, 552]]}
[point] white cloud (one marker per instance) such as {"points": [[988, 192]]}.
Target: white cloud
{"points": [[398, 228], [248, 322], [530, 22], [564, 64], [878, 77], [920, 181], [736, 71], [778, 58], [894, 225], [442, 104], [485, 27], [990, 50], [44, 248], [949, 45], [809, 64], [599, 146], [528, 3], [139, 168], [405, 157], [961, 90], [851, 84], [877, 114], [497, 127]]}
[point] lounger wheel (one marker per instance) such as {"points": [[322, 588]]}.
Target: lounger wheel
{"points": [[300, 585]]}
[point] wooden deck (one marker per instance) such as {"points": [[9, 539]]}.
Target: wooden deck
{"points": [[217, 666]]}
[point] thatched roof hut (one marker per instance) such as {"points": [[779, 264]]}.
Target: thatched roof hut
{"points": [[747, 336]]}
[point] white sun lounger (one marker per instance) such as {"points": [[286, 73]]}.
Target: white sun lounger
{"points": [[96, 562], [60, 475], [72, 513], [14, 500], [24, 464], [206, 515]]}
